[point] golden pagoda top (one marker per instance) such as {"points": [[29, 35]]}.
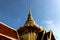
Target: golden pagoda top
{"points": [[30, 21]]}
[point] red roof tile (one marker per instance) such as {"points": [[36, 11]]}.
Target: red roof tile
{"points": [[6, 30]]}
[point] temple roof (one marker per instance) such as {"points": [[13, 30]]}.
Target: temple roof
{"points": [[8, 31]]}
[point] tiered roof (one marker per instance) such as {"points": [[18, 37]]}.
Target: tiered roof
{"points": [[30, 25]]}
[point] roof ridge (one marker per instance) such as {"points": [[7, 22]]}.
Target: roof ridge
{"points": [[7, 26]]}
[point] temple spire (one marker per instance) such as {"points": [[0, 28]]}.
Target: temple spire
{"points": [[30, 13], [29, 7], [30, 17], [30, 21]]}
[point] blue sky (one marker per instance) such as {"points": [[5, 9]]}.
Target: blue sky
{"points": [[46, 13]]}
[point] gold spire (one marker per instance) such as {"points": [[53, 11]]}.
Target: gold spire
{"points": [[30, 13], [30, 21], [30, 18]]}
